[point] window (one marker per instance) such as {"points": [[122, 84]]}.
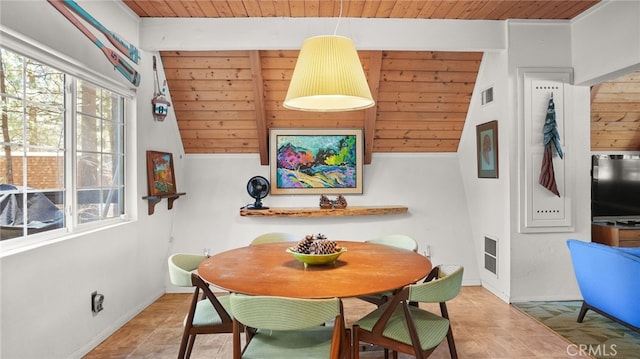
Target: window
{"points": [[62, 158], [99, 153]]}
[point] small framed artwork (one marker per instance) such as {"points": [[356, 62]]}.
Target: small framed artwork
{"points": [[487, 141], [160, 173], [316, 161]]}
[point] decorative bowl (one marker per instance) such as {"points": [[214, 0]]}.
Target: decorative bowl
{"points": [[316, 259]]}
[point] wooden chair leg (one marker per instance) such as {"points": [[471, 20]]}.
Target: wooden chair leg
{"points": [[192, 340], [346, 353], [452, 344], [355, 342], [183, 345], [450, 341], [237, 346]]}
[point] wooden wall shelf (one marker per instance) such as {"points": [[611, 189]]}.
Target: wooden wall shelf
{"points": [[317, 212], [153, 200]]}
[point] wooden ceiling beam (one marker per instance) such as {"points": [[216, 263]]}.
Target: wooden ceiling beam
{"points": [[258, 99], [375, 67]]}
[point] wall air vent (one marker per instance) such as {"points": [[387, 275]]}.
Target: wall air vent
{"points": [[487, 96], [491, 255]]}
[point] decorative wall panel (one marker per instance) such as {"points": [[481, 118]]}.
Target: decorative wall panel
{"points": [[542, 210]]}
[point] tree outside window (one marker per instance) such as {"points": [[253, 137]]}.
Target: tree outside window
{"points": [[55, 128]]}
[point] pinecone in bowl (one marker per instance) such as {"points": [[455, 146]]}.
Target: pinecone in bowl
{"points": [[318, 244]]}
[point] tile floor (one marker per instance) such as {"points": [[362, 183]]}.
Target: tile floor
{"points": [[483, 325]]}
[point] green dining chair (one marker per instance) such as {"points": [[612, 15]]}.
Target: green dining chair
{"points": [[402, 241], [396, 240], [272, 237], [282, 328], [208, 314], [402, 327]]}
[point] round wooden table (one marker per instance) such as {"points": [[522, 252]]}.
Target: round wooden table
{"points": [[267, 269]]}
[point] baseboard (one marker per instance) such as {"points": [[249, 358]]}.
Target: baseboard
{"points": [[471, 283], [502, 296], [108, 331], [544, 298], [174, 290]]}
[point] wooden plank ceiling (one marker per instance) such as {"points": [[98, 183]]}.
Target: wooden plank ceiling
{"points": [[226, 101], [406, 9], [615, 114]]}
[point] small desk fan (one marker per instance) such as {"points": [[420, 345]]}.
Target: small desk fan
{"points": [[258, 188]]}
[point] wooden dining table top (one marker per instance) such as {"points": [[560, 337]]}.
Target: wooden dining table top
{"points": [[267, 269]]}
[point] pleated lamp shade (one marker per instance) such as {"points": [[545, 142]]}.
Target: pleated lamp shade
{"points": [[328, 77]]}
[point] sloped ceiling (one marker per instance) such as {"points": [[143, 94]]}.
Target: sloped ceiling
{"points": [[226, 101], [615, 114]]}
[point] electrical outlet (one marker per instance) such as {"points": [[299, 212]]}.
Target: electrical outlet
{"points": [[427, 252], [96, 302]]}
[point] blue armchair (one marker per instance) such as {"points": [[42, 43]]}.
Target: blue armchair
{"points": [[608, 280]]}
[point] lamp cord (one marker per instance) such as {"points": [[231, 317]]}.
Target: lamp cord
{"points": [[335, 32]]}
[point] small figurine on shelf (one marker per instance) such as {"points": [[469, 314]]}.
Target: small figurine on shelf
{"points": [[325, 203], [340, 202]]}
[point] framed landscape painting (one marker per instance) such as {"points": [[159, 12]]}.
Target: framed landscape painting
{"points": [[160, 173], [316, 161]]}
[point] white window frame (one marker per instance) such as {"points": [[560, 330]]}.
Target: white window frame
{"points": [[29, 48]]}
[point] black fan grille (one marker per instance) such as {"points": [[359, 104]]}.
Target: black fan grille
{"points": [[258, 188]]}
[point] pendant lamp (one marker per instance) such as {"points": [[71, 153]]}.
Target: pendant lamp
{"points": [[328, 77]]}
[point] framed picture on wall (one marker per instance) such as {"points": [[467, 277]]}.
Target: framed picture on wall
{"points": [[316, 161], [487, 142], [160, 173]]}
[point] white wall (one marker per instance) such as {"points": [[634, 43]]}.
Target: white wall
{"points": [[428, 184], [606, 43], [488, 198], [289, 33], [540, 264], [45, 292], [55, 32]]}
